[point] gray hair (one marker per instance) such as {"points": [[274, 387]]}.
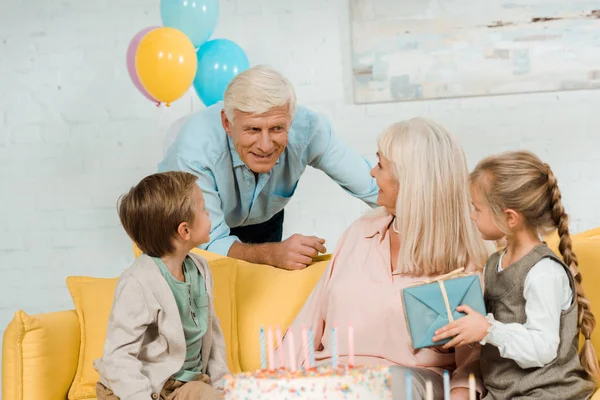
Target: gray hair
{"points": [[257, 90]]}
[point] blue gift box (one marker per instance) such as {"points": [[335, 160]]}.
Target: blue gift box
{"points": [[427, 305]]}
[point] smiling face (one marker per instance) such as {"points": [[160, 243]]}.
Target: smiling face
{"points": [[259, 139], [387, 183], [483, 216], [200, 228]]}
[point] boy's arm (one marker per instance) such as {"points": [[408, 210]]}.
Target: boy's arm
{"points": [[217, 364], [128, 322]]}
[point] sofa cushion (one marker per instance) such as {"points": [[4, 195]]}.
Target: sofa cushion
{"points": [[267, 296], [93, 299], [224, 273], [586, 246], [39, 355]]}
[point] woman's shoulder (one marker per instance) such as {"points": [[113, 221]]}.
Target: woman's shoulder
{"points": [[356, 238], [368, 225]]}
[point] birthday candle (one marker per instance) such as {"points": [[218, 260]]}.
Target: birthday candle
{"points": [[311, 347], [446, 386], [270, 349], [428, 391], [350, 345], [280, 348], [305, 347], [408, 385], [472, 391], [334, 351], [291, 350], [263, 349]]}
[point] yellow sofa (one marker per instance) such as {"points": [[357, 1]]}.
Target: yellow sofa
{"points": [[43, 357]]}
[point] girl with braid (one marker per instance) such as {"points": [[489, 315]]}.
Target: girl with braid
{"points": [[535, 300]]}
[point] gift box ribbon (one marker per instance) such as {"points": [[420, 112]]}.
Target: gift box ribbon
{"points": [[457, 273]]}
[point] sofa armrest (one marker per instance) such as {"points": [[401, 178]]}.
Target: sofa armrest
{"points": [[39, 355]]}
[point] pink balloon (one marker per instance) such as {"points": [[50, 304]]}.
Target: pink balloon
{"points": [[131, 50]]}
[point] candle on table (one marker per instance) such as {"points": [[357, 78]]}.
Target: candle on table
{"points": [[263, 349], [280, 348], [428, 391], [408, 377], [472, 391], [291, 351], [350, 345], [334, 350], [446, 386], [271, 355], [311, 347], [305, 348]]}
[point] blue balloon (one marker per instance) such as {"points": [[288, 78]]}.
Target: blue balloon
{"points": [[219, 61], [196, 18]]}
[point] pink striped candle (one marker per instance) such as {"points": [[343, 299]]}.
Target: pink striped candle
{"points": [[350, 345], [305, 347], [291, 349], [280, 348], [270, 352]]}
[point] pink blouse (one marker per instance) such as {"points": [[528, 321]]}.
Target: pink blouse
{"points": [[358, 288]]}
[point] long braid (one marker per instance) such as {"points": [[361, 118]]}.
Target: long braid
{"points": [[587, 321]]}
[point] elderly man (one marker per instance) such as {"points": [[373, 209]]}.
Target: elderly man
{"points": [[249, 153]]}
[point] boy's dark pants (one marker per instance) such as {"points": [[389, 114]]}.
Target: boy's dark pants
{"points": [[199, 389]]}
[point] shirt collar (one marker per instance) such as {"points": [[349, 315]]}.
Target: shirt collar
{"points": [[235, 157], [378, 225]]}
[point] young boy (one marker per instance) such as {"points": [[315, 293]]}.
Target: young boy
{"points": [[163, 338]]}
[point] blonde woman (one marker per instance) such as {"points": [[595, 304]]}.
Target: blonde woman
{"points": [[536, 301], [422, 229]]}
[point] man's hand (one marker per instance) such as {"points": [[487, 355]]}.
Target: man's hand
{"points": [[466, 330], [293, 253], [297, 251]]}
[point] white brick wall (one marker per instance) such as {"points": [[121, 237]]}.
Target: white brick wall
{"points": [[75, 134]]}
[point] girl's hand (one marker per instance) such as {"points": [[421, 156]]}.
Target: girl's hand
{"points": [[469, 329], [459, 394]]}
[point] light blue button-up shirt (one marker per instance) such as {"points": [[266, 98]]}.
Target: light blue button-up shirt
{"points": [[234, 197]]}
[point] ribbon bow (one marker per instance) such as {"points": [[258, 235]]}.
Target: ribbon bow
{"points": [[457, 273]]}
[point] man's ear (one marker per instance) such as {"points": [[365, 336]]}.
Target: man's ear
{"points": [[513, 218], [226, 123]]}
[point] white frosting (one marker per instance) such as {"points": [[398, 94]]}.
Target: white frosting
{"points": [[322, 383]]}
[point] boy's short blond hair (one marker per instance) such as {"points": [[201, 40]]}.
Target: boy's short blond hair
{"points": [[153, 209]]}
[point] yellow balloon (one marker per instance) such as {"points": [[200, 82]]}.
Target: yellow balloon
{"points": [[166, 63]]}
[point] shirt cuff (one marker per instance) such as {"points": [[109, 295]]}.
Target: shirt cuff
{"points": [[463, 382], [222, 245], [495, 336]]}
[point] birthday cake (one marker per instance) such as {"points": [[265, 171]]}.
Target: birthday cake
{"points": [[323, 382]]}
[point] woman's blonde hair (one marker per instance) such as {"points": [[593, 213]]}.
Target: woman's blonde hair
{"points": [[257, 90], [520, 181], [433, 205]]}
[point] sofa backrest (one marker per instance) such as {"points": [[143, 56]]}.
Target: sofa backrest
{"points": [[586, 246]]}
